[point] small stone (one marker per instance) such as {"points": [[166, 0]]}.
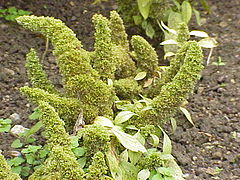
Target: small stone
{"points": [[217, 155], [200, 90], [186, 175], [3, 26], [203, 20], [223, 24], [17, 130], [72, 3], [8, 71], [73, 18], [14, 153], [115, 6], [14, 117], [233, 81], [221, 90], [194, 158]]}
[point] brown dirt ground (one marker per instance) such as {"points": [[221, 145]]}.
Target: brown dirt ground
{"points": [[215, 105]]}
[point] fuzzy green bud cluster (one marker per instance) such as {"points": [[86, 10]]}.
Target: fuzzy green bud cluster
{"points": [[67, 108], [127, 88], [103, 61], [61, 163], [92, 81], [5, 170], [182, 33], [95, 138], [151, 160], [146, 56], [36, 74], [98, 167], [174, 92]]}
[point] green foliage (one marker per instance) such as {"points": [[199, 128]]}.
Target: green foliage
{"points": [[98, 167], [146, 13], [5, 125], [10, 14], [109, 144], [95, 138], [36, 74], [219, 62]]}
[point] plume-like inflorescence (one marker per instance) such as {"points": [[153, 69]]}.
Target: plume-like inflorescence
{"points": [[5, 170], [61, 163], [92, 81]]}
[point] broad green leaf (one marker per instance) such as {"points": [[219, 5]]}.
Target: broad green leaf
{"points": [[140, 76], [30, 140], [174, 124], [79, 151], [5, 121], [128, 141], [146, 100], [35, 115], [5, 128], [134, 156], [74, 141], [11, 17], [186, 11], [82, 161], [197, 15], [129, 170], [12, 10], [113, 165], [34, 129], [187, 115], [25, 171], [124, 155], [157, 177], [22, 12], [177, 4], [165, 171], [103, 121], [31, 149], [16, 144], [208, 43], [144, 7], [167, 157], [5, 125], [167, 145], [17, 169], [168, 54], [137, 20], [178, 175], [43, 153], [170, 41], [143, 174], [199, 33], [123, 116], [16, 161], [152, 173], [174, 19], [30, 158], [132, 127], [150, 32], [155, 140], [140, 138]]}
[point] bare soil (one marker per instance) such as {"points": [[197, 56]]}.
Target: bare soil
{"points": [[213, 143]]}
